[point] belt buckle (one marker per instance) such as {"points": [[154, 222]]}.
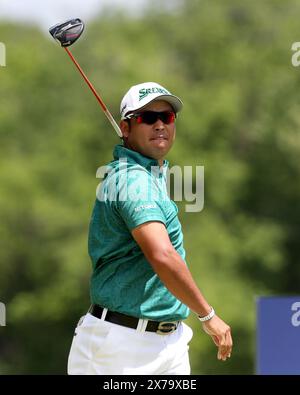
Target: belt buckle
{"points": [[165, 328]]}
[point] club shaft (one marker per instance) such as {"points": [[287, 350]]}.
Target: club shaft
{"points": [[100, 101]]}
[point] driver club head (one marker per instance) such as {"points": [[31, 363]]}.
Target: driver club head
{"points": [[68, 32]]}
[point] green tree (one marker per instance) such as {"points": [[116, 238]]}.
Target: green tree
{"points": [[230, 62]]}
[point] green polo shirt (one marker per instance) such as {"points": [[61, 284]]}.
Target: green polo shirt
{"points": [[132, 193]]}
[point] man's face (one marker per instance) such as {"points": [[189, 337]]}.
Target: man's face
{"points": [[153, 141]]}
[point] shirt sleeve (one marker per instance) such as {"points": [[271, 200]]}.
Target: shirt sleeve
{"points": [[140, 198]]}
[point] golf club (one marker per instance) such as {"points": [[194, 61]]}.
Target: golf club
{"points": [[66, 34]]}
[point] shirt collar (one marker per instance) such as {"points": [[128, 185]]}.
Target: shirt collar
{"points": [[133, 156]]}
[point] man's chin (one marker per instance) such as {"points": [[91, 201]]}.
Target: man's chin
{"points": [[160, 144]]}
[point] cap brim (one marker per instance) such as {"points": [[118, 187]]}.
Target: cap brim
{"points": [[175, 102]]}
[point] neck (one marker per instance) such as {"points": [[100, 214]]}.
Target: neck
{"points": [[126, 145]]}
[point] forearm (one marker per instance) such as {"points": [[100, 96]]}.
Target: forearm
{"points": [[175, 275]]}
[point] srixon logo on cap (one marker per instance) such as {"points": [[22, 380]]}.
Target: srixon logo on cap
{"points": [[144, 92]]}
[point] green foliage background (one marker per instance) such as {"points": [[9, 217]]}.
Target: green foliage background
{"points": [[230, 62]]}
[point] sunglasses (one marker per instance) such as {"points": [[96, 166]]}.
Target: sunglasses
{"points": [[150, 117]]}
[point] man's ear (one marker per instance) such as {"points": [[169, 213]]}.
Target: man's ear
{"points": [[125, 128]]}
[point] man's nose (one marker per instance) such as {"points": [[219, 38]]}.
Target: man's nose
{"points": [[159, 125]]}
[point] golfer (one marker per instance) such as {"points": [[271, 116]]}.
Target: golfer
{"points": [[141, 288]]}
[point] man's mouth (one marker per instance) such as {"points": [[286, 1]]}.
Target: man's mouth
{"points": [[159, 137]]}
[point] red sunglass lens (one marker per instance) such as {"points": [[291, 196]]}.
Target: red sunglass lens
{"points": [[170, 118], [139, 119]]}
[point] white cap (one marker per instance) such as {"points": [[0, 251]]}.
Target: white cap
{"points": [[140, 95]]}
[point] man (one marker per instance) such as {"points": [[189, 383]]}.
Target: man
{"points": [[141, 288]]}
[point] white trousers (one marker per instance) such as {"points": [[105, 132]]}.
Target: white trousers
{"points": [[102, 348]]}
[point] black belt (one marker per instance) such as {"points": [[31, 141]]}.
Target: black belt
{"points": [[162, 328]]}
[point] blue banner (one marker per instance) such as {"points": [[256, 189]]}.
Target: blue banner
{"points": [[278, 335]]}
